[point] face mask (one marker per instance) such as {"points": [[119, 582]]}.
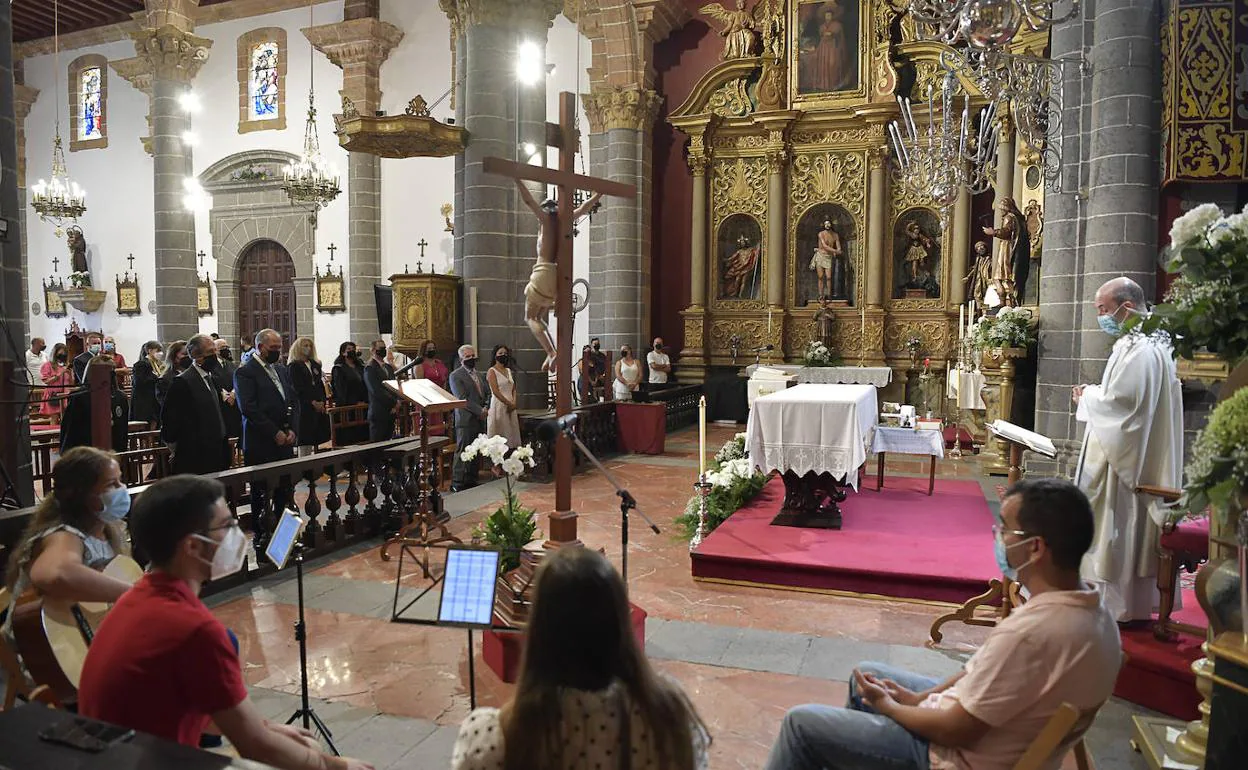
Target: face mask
{"points": [[230, 554], [597, 347], [226, 354], [271, 356], [624, 353], [110, 346], [93, 349], [210, 363], [503, 358], [184, 362], [470, 363], [1109, 324], [159, 355], [1003, 561], [116, 505], [431, 352], [61, 357], [380, 353], [352, 354], [658, 348]]}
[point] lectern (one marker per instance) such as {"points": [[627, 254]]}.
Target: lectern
{"points": [[426, 528]]}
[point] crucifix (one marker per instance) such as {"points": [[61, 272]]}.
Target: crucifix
{"points": [[201, 256], [564, 138], [331, 249], [130, 259], [56, 265]]}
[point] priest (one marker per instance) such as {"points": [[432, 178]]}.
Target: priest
{"points": [[1134, 436]]}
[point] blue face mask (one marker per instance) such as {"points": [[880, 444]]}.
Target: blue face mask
{"points": [[1110, 324], [1003, 560], [116, 505]]}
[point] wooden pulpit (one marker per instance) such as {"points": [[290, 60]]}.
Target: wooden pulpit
{"points": [[425, 307]]}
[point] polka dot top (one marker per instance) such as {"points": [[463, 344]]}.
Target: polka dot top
{"points": [[591, 737]]}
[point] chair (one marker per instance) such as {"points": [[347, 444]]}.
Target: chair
{"points": [[1056, 732], [1184, 543]]}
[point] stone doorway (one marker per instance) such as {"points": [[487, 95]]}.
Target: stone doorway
{"points": [[266, 291]]}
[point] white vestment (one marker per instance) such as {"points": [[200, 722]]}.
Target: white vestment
{"points": [[1134, 436]]}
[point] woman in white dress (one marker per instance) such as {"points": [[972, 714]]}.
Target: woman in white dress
{"points": [[627, 374], [586, 694], [502, 419]]}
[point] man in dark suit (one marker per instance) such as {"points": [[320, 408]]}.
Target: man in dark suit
{"points": [[95, 345], [192, 421], [223, 373], [381, 402], [468, 385], [266, 397]]}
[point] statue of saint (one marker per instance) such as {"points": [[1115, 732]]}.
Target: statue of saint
{"points": [[980, 277], [77, 243], [918, 253], [738, 31], [539, 294], [1012, 255], [824, 319], [740, 271], [828, 262]]}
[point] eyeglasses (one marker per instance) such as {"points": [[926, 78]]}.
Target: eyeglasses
{"points": [[231, 524], [999, 529]]}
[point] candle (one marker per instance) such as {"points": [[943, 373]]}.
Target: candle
{"points": [[864, 330], [961, 321], [702, 438], [768, 322]]}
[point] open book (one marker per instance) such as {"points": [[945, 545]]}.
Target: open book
{"points": [[1030, 439]]}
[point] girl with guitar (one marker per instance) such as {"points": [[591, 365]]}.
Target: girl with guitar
{"points": [[75, 534]]}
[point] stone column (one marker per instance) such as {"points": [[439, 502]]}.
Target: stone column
{"points": [[494, 231], [960, 244], [877, 196], [15, 453], [775, 228], [175, 56], [621, 122], [23, 99], [360, 45], [1112, 229]]}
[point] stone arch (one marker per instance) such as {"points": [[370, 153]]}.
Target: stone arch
{"points": [[249, 205]]}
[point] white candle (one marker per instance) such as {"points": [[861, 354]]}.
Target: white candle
{"points": [[702, 438], [864, 329], [961, 320], [768, 322]]}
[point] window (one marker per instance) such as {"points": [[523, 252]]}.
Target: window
{"points": [[88, 102], [262, 80], [263, 85]]}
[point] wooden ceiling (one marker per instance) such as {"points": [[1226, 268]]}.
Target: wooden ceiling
{"points": [[33, 19]]}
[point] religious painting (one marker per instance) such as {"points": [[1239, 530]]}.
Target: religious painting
{"points": [[826, 244], [917, 255], [740, 248], [53, 305], [128, 295], [827, 42], [91, 114], [263, 82], [329, 292], [203, 295]]}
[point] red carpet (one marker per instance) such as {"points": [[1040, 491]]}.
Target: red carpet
{"points": [[896, 542], [1158, 675]]}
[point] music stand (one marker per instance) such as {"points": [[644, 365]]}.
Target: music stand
{"points": [[425, 397], [286, 541]]}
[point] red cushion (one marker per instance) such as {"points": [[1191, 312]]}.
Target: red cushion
{"points": [[1190, 536]]}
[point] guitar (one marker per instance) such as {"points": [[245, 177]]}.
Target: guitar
{"points": [[52, 636]]}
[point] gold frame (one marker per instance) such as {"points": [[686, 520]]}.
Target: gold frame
{"points": [[53, 305], [203, 295], [326, 281], [862, 92], [128, 308]]}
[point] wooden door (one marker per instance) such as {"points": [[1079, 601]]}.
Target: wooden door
{"points": [[266, 291]]}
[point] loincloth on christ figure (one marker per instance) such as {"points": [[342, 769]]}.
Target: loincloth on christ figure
{"points": [[821, 260], [539, 293]]}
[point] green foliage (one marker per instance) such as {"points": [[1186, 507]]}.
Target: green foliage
{"points": [[818, 354], [1009, 328], [734, 482], [1217, 474], [511, 527]]}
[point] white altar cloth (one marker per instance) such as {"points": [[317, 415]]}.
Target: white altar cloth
{"points": [[965, 388], [879, 376], [821, 428], [908, 441]]}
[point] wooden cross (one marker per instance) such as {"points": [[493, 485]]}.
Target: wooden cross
{"points": [[331, 249], [564, 138], [201, 256], [131, 260], [56, 265], [422, 243]]}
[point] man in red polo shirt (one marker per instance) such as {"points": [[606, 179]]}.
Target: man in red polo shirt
{"points": [[161, 662]]}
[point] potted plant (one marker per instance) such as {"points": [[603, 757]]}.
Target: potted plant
{"points": [[734, 482], [512, 526], [819, 354], [80, 279], [1010, 329]]}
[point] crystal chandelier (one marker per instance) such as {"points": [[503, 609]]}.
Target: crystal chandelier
{"points": [[60, 201], [311, 181], [937, 163], [986, 24]]}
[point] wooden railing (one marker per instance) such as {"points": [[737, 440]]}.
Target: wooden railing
{"points": [[595, 426], [682, 405]]}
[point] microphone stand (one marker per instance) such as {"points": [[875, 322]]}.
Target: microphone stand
{"points": [[627, 501]]}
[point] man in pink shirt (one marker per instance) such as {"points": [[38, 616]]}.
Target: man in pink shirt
{"points": [[1061, 646]]}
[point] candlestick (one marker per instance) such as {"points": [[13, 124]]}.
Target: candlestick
{"points": [[702, 438]]}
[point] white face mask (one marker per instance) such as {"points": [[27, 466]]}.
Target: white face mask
{"points": [[230, 554]]}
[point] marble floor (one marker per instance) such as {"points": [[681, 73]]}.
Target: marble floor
{"points": [[394, 694]]}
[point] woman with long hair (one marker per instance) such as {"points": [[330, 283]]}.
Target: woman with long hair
{"points": [[432, 368], [347, 381], [176, 362], [501, 419], [74, 533], [149, 368], [309, 380], [586, 693], [59, 379], [627, 375]]}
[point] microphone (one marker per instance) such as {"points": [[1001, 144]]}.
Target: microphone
{"points": [[407, 368], [762, 348], [549, 430]]}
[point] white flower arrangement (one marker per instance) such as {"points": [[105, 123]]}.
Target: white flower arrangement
{"points": [[1010, 328], [818, 354], [730, 471], [1194, 224], [494, 448], [731, 450]]}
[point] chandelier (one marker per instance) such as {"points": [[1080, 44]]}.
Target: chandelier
{"points": [[60, 201], [986, 24], [940, 161], [311, 181]]}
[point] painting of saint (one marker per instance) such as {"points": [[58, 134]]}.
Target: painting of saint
{"points": [[826, 244], [740, 246], [827, 46]]}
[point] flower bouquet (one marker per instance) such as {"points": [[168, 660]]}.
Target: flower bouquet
{"points": [[80, 279], [512, 526], [1009, 328], [818, 354], [734, 482]]}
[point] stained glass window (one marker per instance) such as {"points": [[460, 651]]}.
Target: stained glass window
{"points": [[263, 86], [89, 92]]}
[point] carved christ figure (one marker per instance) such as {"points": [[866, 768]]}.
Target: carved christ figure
{"points": [[539, 294], [738, 31], [827, 263]]}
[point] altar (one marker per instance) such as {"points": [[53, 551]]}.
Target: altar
{"points": [[817, 437]]}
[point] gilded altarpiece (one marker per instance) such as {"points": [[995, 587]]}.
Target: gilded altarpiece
{"points": [[788, 157]]}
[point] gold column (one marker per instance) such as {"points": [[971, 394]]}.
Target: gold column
{"points": [[1005, 165], [775, 235], [877, 191], [697, 235], [960, 246]]}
